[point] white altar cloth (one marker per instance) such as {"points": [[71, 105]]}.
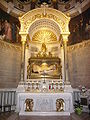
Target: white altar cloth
{"points": [[44, 103]]}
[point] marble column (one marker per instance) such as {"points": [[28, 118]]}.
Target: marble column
{"points": [[65, 40], [23, 58], [26, 60], [63, 67], [22, 61]]}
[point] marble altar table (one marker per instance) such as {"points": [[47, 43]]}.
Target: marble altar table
{"points": [[44, 103]]}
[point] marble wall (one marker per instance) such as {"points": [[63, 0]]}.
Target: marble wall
{"points": [[79, 64], [10, 63]]}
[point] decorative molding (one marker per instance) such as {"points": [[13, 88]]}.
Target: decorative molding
{"points": [[35, 20], [10, 45], [24, 1], [79, 45], [44, 23], [8, 89], [30, 17], [44, 35]]}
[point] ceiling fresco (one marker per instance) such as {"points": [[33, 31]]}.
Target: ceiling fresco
{"points": [[71, 7]]}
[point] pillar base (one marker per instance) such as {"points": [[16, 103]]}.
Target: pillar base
{"points": [[67, 83], [68, 88], [21, 82], [21, 86]]}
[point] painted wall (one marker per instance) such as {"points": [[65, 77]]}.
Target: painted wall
{"points": [[79, 64], [79, 27], [10, 63]]}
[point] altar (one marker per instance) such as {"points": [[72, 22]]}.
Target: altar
{"points": [[45, 103], [45, 87]]}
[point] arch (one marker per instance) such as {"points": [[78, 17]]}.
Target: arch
{"points": [[44, 24], [54, 15]]}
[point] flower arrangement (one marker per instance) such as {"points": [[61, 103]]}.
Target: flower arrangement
{"points": [[78, 108]]}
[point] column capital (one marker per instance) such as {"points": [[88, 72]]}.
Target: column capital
{"points": [[23, 36], [65, 36]]}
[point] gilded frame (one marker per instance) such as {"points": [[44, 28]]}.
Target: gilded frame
{"points": [[44, 68]]}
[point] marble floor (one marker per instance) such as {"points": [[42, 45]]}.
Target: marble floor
{"points": [[15, 116], [5, 116]]}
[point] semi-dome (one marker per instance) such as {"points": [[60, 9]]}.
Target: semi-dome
{"points": [[19, 7]]}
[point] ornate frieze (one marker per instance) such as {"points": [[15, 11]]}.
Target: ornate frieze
{"points": [[61, 23], [61, 19], [79, 45], [4, 44], [43, 24]]}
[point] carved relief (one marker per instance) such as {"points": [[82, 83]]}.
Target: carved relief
{"points": [[51, 16], [61, 19], [79, 45], [44, 35], [59, 105], [44, 24], [29, 105]]}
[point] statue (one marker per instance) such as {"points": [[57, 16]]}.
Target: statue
{"points": [[43, 52], [43, 49]]}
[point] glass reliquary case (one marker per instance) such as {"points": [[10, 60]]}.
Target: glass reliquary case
{"points": [[44, 65], [44, 68]]}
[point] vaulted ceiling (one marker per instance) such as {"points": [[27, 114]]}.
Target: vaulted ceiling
{"points": [[19, 7]]}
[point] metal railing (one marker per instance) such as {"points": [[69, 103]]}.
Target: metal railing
{"points": [[7, 100], [76, 95]]}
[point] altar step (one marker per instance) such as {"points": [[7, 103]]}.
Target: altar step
{"points": [[45, 118], [44, 113], [15, 116]]}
